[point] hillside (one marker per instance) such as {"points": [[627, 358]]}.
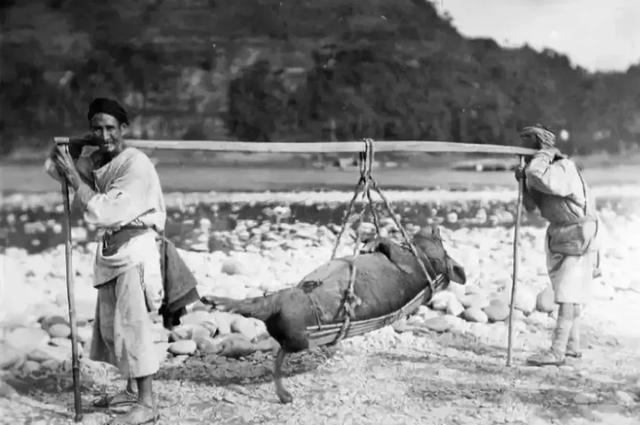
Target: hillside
{"points": [[272, 70]]}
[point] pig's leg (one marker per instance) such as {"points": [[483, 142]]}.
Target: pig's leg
{"points": [[283, 394]]}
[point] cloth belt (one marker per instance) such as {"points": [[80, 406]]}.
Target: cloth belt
{"points": [[112, 242]]}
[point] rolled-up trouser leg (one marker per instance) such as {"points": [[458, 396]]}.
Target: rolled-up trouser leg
{"points": [[556, 354], [573, 346], [563, 329]]}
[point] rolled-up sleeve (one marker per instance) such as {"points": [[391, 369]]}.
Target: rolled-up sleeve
{"points": [[124, 200], [553, 178]]}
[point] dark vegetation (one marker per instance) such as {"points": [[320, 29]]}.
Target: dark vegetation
{"points": [[293, 71]]}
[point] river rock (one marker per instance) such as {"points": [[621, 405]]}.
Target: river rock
{"points": [[267, 344], [196, 318], [423, 313], [59, 330], [10, 356], [441, 300], [47, 352], [438, 324], [51, 365], [199, 331], [457, 289], [235, 345], [545, 301], [625, 398], [30, 367], [185, 347], [51, 320], [208, 345], [248, 327], [26, 339], [475, 300], [180, 332], [497, 311], [454, 307], [526, 300], [585, 398], [222, 321], [473, 314], [84, 333]]}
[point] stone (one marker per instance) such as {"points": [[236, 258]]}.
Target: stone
{"points": [[84, 333], [59, 330], [457, 289], [473, 314], [30, 367], [180, 332], [26, 339], [585, 398], [497, 311], [196, 318], [51, 320], [425, 313], [545, 301], [51, 364], [267, 344], [526, 300], [185, 347], [208, 345], [454, 307], [539, 319], [440, 300], [438, 324], [231, 266], [199, 331], [10, 356], [223, 321], [452, 217], [248, 327], [48, 352], [625, 398], [235, 345], [479, 301]]}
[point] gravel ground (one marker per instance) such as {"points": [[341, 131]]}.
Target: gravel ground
{"points": [[390, 376]]}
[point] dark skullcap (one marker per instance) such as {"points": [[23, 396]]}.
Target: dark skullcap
{"points": [[109, 107], [543, 136]]}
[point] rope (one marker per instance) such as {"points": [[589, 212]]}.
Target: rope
{"points": [[365, 183]]}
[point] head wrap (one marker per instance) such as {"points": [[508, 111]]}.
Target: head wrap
{"points": [[109, 107], [543, 136]]}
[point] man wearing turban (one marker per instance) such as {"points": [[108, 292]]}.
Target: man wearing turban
{"points": [[555, 186], [119, 192]]}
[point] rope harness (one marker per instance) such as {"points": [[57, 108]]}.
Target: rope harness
{"points": [[366, 182]]}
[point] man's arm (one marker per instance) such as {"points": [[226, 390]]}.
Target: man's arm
{"points": [[125, 199], [553, 178]]}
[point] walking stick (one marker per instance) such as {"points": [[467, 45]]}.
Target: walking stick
{"points": [[77, 401], [516, 260]]}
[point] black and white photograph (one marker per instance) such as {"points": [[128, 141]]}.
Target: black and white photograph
{"points": [[340, 212]]}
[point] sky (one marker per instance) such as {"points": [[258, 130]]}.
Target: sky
{"points": [[598, 35]]}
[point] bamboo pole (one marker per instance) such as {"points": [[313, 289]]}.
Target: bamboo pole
{"points": [[75, 367], [516, 260], [319, 147]]}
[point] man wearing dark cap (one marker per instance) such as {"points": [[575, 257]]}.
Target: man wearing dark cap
{"points": [[555, 186], [119, 192]]}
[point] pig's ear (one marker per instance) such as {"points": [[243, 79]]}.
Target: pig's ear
{"points": [[455, 271]]}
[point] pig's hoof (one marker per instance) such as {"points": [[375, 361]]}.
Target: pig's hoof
{"points": [[285, 396]]}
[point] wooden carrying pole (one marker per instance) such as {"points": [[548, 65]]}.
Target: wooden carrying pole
{"points": [[319, 147], [516, 260], [75, 366]]}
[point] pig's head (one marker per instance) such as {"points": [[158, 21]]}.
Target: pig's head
{"points": [[428, 242]]}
